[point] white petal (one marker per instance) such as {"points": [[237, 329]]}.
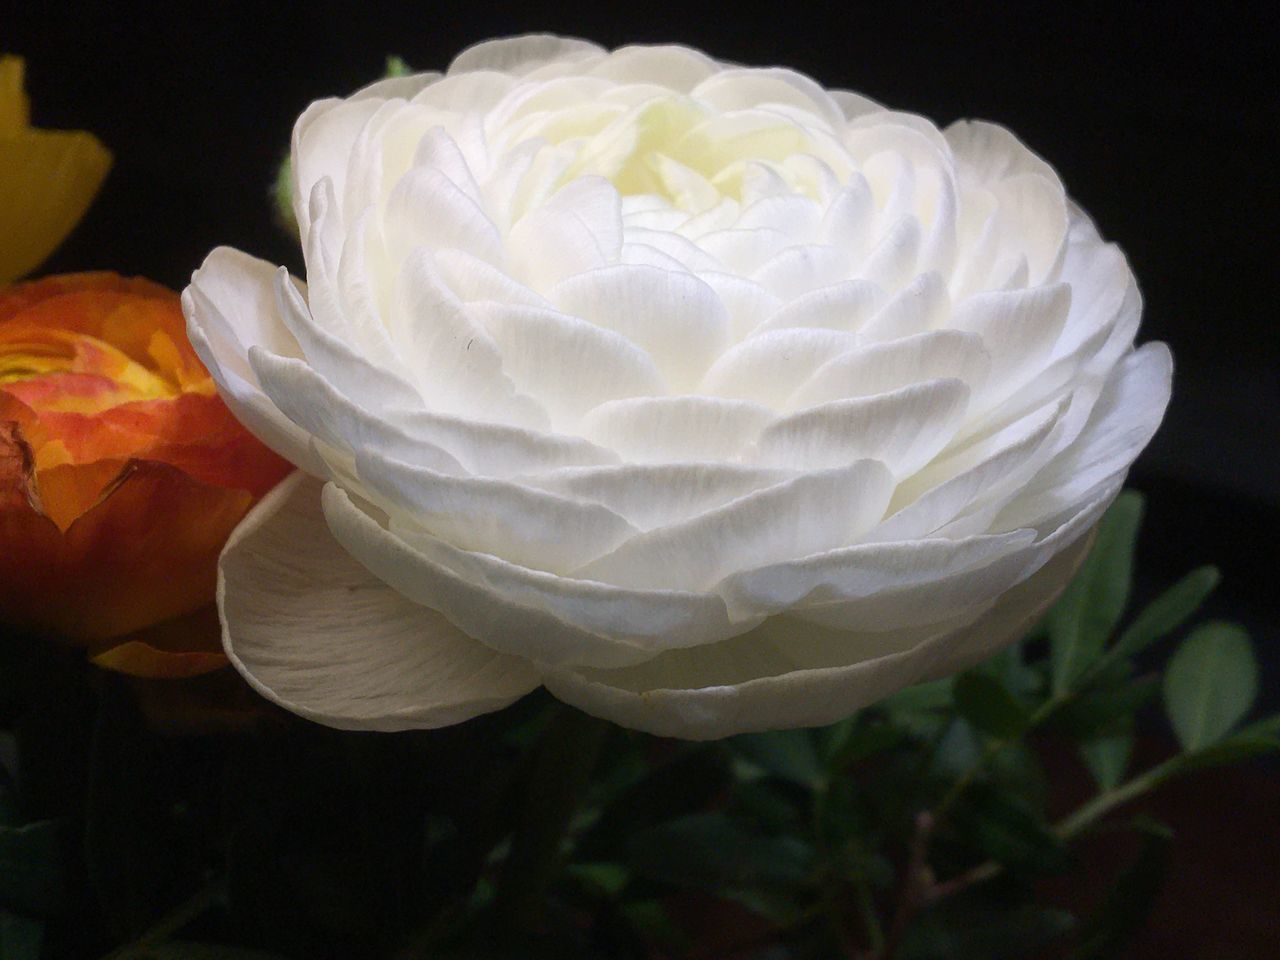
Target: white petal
{"points": [[748, 303], [521, 54], [726, 704], [799, 269], [530, 613], [566, 364], [322, 140], [649, 495], [350, 370], [230, 306], [1019, 329], [427, 209], [988, 472], [797, 517], [519, 523], [675, 67], [313, 631], [987, 152], [674, 317], [892, 259], [1122, 423], [740, 88], [579, 228], [471, 279], [860, 571], [904, 428], [841, 306], [919, 306], [657, 429], [459, 363], [767, 367], [882, 367]]}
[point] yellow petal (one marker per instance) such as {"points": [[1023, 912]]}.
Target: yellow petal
{"points": [[47, 180], [15, 108]]}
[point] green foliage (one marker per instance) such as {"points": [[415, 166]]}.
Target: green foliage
{"points": [[1092, 606], [1211, 683], [913, 830], [1130, 899], [989, 706]]}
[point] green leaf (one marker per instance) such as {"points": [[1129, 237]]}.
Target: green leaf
{"points": [[1108, 758], [1083, 619], [1106, 710], [713, 852], [865, 740], [1234, 749], [606, 879], [33, 867], [1010, 832], [20, 937], [1210, 684], [1130, 900], [1168, 611], [789, 754], [989, 706]]}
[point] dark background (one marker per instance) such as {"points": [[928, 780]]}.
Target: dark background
{"points": [[1161, 123]]}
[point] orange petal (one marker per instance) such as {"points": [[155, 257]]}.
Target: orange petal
{"points": [[71, 489], [147, 551], [173, 650]]}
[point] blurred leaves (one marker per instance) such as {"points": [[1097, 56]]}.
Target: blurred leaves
{"points": [[919, 824]]}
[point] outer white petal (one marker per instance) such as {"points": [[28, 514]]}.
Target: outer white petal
{"points": [[230, 307], [315, 632], [675, 67], [1123, 421], [529, 613], [805, 697], [518, 55]]}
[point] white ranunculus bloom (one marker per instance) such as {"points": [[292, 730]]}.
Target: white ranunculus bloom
{"points": [[711, 400]]}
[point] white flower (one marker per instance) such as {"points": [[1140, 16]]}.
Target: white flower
{"points": [[713, 400]]}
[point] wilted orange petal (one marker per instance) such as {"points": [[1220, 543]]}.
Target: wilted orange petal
{"points": [[144, 553]]}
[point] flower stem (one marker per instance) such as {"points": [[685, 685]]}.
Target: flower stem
{"points": [[563, 760]]}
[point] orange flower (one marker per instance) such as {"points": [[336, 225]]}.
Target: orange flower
{"points": [[121, 473]]}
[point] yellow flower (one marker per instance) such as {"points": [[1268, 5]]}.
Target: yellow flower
{"points": [[47, 179]]}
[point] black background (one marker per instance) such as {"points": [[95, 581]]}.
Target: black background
{"points": [[1160, 120]]}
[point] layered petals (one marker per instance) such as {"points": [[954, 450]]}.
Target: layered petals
{"points": [[121, 473], [711, 399]]}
